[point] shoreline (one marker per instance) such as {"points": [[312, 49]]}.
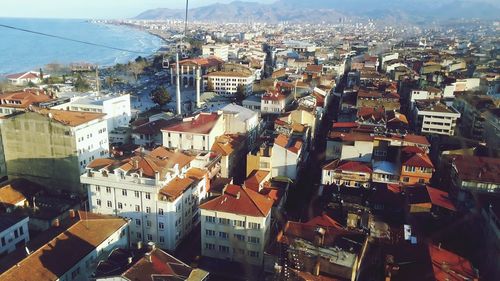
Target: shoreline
{"points": [[3, 76]]}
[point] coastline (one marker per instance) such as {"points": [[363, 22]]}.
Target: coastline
{"points": [[83, 61]]}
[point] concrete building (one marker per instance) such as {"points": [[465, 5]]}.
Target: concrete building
{"points": [[159, 191], [241, 120], [347, 173], [230, 82], [218, 50], [253, 103], [23, 78], [491, 133], [232, 149], [148, 263], [21, 100], [236, 226], [287, 156], [13, 233], [416, 166], [73, 253], [115, 106], [197, 132], [472, 110], [259, 158], [190, 67], [474, 174], [53, 147], [435, 118], [349, 146], [274, 102]]}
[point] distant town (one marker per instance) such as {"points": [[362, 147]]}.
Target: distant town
{"points": [[356, 150]]}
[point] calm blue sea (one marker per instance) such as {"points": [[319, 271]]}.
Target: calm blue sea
{"points": [[20, 51]]}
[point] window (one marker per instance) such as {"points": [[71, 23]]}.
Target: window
{"points": [[161, 225], [3, 241], [16, 234], [210, 219], [139, 236], [223, 221], [97, 188], [75, 273], [253, 225], [406, 179], [137, 221], [210, 232], [108, 189], [110, 204], [148, 210], [136, 193], [124, 192], [160, 211], [120, 205], [148, 195], [239, 237], [421, 181], [162, 239], [239, 223], [254, 240], [223, 249], [98, 202], [253, 254], [137, 208], [209, 246], [150, 237], [223, 235], [148, 223], [21, 230]]}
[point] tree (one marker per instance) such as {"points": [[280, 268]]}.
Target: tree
{"points": [[161, 96], [81, 85], [137, 68], [240, 94], [210, 86], [41, 74]]}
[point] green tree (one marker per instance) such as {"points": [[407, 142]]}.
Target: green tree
{"points": [[81, 85], [161, 96], [210, 86], [31, 84], [240, 94], [41, 74]]}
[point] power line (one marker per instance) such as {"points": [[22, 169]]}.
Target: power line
{"points": [[70, 39]]}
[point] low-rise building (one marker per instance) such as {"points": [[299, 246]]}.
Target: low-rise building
{"points": [[273, 103], [218, 50], [473, 110], [13, 232], [347, 173], [435, 118], [475, 174], [349, 146], [241, 120], [232, 149], [230, 82], [197, 132], [287, 156], [21, 100], [25, 78], [236, 226], [416, 166]]}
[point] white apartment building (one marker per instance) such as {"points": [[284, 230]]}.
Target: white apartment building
{"points": [[218, 50], [241, 120], [73, 254], [13, 233], [287, 156], [228, 82], [197, 132], [436, 119], [159, 191], [273, 103], [115, 106], [236, 226]]}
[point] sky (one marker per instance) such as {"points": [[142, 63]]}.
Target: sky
{"points": [[101, 9]]}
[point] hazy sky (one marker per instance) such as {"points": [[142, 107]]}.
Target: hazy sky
{"points": [[93, 8]]}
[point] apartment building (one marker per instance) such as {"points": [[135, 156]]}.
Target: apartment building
{"points": [[472, 109], [347, 173], [218, 50], [236, 226], [287, 156], [197, 132], [241, 120], [21, 100], [232, 149], [416, 166], [13, 232], [39, 144], [159, 191], [349, 146], [435, 118], [228, 83]]}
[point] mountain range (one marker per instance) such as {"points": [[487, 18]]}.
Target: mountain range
{"points": [[315, 11]]}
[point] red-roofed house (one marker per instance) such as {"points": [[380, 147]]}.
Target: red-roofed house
{"points": [[450, 266], [287, 156], [236, 225], [416, 167], [21, 100], [26, 77], [197, 132], [348, 173], [349, 146]]}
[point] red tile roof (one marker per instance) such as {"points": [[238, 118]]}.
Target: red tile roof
{"points": [[23, 99], [203, 62], [338, 125], [176, 187], [450, 266], [314, 68], [202, 123], [353, 166], [324, 221], [417, 160], [274, 95], [350, 136], [255, 179], [240, 200], [440, 198], [417, 139], [479, 169]]}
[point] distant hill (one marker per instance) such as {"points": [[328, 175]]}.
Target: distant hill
{"points": [[315, 11]]}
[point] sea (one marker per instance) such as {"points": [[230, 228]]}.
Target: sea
{"points": [[21, 51]]}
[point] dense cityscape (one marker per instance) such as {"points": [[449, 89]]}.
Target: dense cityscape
{"points": [[358, 149]]}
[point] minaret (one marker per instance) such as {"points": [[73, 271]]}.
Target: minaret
{"points": [[198, 87], [178, 81]]}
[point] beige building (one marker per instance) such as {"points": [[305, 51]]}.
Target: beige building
{"points": [[52, 147], [236, 226]]}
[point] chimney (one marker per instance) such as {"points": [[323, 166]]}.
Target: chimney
{"points": [[139, 245], [151, 246], [320, 236], [129, 260], [72, 213], [178, 88], [56, 223], [238, 195], [148, 257]]}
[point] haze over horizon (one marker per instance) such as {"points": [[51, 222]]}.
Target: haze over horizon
{"points": [[83, 9]]}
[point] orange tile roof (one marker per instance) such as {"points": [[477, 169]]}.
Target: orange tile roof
{"points": [[281, 140], [226, 144], [70, 118], [417, 160], [255, 178], [196, 173], [9, 195], [325, 221], [23, 99], [229, 74], [450, 266], [240, 200], [440, 198], [59, 255], [176, 187], [202, 123]]}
